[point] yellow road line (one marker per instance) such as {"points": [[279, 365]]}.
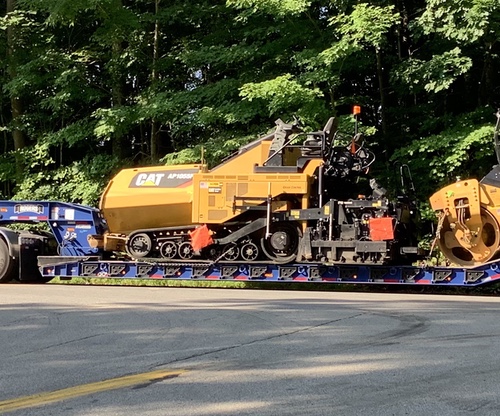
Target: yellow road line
{"points": [[85, 389]]}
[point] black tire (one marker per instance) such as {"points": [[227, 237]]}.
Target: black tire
{"points": [[8, 266]]}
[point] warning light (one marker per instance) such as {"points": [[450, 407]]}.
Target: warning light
{"points": [[356, 110]]}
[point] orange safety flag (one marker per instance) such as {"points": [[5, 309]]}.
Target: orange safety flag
{"points": [[201, 237], [381, 229]]}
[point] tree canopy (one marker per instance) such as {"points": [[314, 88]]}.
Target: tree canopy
{"points": [[92, 86]]}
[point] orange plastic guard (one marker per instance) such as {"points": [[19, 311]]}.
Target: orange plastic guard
{"points": [[381, 229], [200, 238]]}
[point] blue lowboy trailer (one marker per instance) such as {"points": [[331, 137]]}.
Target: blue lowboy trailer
{"points": [[64, 249]]}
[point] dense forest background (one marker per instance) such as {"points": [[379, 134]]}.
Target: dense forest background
{"points": [[91, 86]]}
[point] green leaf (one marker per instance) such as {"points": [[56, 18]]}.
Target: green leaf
{"points": [[280, 93], [435, 75]]}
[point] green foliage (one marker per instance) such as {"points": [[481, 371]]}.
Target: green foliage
{"points": [[435, 75], [211, 152], [282, 94], [7, 172], [72, 135], [464, 21], [366, 25], [18, 19], [276, 7], [100, 80], [114, 121], [81, 182], [464, 149]]}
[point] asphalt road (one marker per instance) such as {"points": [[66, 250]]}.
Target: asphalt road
{"points": [[81, 350]]}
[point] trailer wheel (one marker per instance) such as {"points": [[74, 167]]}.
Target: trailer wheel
{"points": [[7, 264]]}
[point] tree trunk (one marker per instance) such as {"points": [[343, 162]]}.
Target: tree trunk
{"points": [[118, 143], [403, 31], [16, 104], [486, 89], [155, 127], [381, 86], [119, 149]]}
